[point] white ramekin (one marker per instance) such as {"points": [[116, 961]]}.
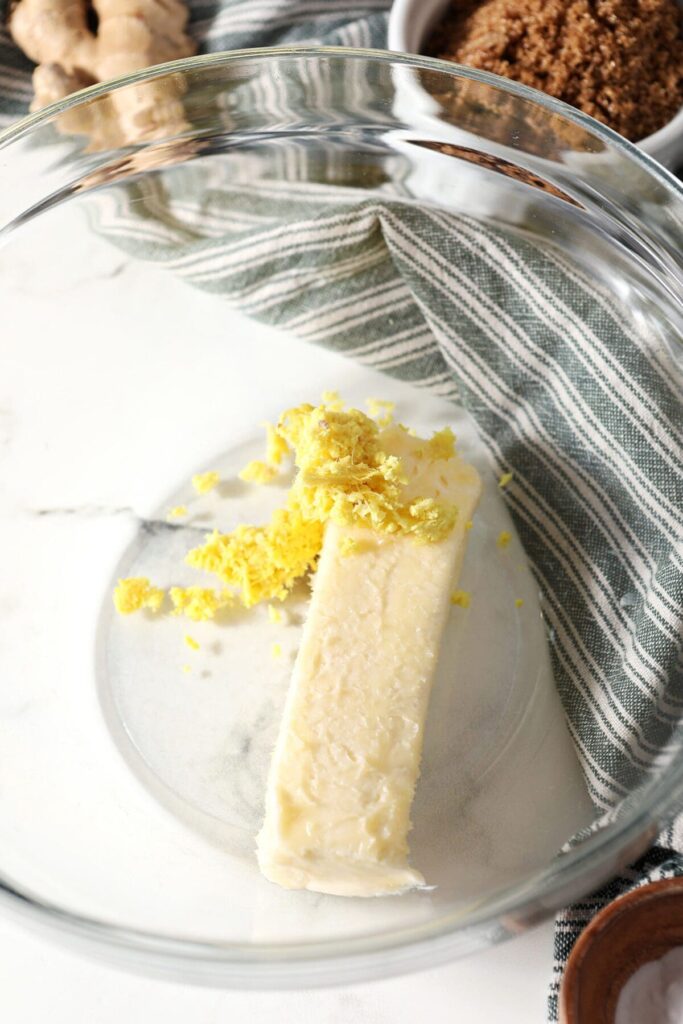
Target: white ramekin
{"points": [[411, 20]]}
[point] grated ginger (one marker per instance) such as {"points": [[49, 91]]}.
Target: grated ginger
{"points": [[257, 472], [332, 400], [348, 546], [136, 593], [355, 546], [205, 482], [199, 603], [262, 562], [344, 477], [276, 447], [380, 411], [275, 615], [442, 445], [262, 472]]}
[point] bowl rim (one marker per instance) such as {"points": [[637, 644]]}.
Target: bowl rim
{"points": [[26, 124], [579, 869]]}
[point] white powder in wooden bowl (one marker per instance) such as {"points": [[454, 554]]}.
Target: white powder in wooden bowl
{"points": [[654, 994]]}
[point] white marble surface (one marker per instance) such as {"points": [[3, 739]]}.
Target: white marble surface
{"points": [[39, 981]]}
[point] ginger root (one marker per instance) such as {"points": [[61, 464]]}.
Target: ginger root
{"points": [[130, 35]]}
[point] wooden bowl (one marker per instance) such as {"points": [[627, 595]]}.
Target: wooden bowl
{"points": [[637, 928]]}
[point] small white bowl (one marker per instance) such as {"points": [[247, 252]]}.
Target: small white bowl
{"points": [[410, 22]]}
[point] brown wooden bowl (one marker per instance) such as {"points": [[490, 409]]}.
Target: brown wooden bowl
{"points": [[637, 928]]}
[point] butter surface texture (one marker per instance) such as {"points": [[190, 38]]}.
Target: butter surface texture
{"points": [[346, 763]]}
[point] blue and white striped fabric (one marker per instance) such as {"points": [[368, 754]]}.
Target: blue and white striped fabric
{"points": [[585, 410]]}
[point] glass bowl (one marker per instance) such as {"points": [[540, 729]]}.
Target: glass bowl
{"points": [[132, 788]]}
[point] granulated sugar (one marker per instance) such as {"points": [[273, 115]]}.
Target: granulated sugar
{"points": [[654, 994]]}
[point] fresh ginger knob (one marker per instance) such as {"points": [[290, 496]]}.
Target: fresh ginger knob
{"points": [[129, 35]]}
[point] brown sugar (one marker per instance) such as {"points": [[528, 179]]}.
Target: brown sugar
{"points": [[619, 60]]}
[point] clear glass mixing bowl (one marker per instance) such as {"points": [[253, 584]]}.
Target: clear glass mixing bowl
{"points": [[130, 791]]}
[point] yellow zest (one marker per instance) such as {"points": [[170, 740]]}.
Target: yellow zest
{"points": [[504, 539], [276, 447], [177, 512], [409, 430], [199, 603], [205, 482], [257, 472], [505, 479], [461, 598], [191, 643], [277, 651], [442, 445], [136, 593], [519, 601], [343, 477], [380, 411], [332, 400], [262, 562], [355, 546], [274, 614], [348, 546], [469, 524], [186, 668]]}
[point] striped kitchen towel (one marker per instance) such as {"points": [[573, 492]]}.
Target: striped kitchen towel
{"points": [[566, 393], [662, 861]]}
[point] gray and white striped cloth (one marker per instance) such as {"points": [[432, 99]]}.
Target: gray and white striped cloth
{"points": [[584, 410]]}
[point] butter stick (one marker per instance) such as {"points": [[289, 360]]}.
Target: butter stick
{"points": [[347, 759]]}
